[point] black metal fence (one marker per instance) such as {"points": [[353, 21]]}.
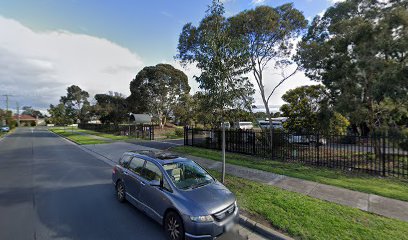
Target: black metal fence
{"points": [[138, 131], [378, 155]]}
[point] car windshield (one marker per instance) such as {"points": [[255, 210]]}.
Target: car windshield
{"points": [[187, 174]]}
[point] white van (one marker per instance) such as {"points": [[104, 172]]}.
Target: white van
{"points": [[265, 124], [243, 125]]}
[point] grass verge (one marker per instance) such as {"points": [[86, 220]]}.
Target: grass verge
{"points": [[387, 187], [78, 138], [308, 218], [104, 135]]}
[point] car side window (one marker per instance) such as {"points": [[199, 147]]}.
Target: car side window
{"points": [[124, 161], [152, 172], [136, 165], [166, 185]]}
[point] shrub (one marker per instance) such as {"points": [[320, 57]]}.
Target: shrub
{"points": [[179, 132]]}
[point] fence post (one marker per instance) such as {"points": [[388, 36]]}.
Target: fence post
{"points": [[185, 135], [383, 157], [152, 131], [317, 149], [253, 142], [192, 136]]}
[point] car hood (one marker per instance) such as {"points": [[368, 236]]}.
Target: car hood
{"points": [[210, 198]]}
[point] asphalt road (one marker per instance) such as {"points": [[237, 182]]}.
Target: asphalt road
{"points": [[51, 189]]}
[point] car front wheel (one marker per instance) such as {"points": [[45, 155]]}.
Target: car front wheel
{"points": [[120, 191], [173, 226]]}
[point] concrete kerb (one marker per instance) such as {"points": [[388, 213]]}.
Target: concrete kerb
{"points": [[262, 230]]}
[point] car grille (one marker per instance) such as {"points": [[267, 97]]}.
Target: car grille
{"points": [[221, 215]]}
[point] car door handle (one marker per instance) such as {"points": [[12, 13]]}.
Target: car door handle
{"points": [[143, 183]]}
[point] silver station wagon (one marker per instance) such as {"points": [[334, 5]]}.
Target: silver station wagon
{"points": [[177, 193]]}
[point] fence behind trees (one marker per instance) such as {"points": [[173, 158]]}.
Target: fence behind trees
{"points": [[139, 131], [382, 155]]}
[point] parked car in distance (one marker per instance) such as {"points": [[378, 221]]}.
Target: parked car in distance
{"points": [[306, 139], [275, 125], [227, 125], [5, 128], [177, 193], [243, 125]]}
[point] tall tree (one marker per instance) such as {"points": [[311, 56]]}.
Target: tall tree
{"points": [[157, 90], [220, 58], [309, 110], [269, 34], [28, 110], [110, 108], [359, 50], [58, 115], [76, 103], [6, 118]]}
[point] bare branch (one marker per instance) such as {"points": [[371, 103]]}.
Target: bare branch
{"points": [[282, 81]]}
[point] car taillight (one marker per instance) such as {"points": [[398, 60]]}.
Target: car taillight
{"points": [[114, 170]]}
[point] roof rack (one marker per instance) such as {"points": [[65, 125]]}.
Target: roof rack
{"points": [[162, 155]]}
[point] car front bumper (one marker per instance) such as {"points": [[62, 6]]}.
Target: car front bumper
{"points": [[209, 230]]}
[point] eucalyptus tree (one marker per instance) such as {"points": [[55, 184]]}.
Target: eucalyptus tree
{"points": [[76, 104], [309, 110], [359, 50], [157, 89], [221, 60], [270, 35], [110, 108]]}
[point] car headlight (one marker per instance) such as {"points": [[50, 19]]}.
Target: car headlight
{"points": [[208, 218]]}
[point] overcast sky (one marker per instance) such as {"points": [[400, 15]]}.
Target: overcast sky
{"points": [[100, 45]]}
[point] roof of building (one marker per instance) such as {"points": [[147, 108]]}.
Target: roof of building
{"points": [[24, 117]]}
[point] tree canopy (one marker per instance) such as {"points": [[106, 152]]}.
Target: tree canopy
{"points": [[110, 108], [309, 110], [72, 107], [156, 90], [359, 50], [269, 35], [220, 58]]}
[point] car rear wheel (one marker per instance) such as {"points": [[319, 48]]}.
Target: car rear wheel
{"points": [[120, 191], [173, 225]]}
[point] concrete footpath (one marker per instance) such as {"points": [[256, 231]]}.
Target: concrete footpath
{"points": [[368, 202]]}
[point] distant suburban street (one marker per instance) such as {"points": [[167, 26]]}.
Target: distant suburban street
{"points": [[50, 189]]}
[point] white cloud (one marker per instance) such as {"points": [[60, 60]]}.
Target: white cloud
{"points": [[271, 79], [335, 1], [37, 67], [257, 2]]}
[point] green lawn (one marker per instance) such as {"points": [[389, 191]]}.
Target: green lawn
{"points": [[104, 135], [387, 187], [78, 138], [308, 218]]}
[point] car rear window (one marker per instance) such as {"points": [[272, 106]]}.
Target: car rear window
{"points": [[124, 161]]}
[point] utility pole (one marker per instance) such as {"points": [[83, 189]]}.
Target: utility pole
{"points": [[18, 114], [7, 100]]}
